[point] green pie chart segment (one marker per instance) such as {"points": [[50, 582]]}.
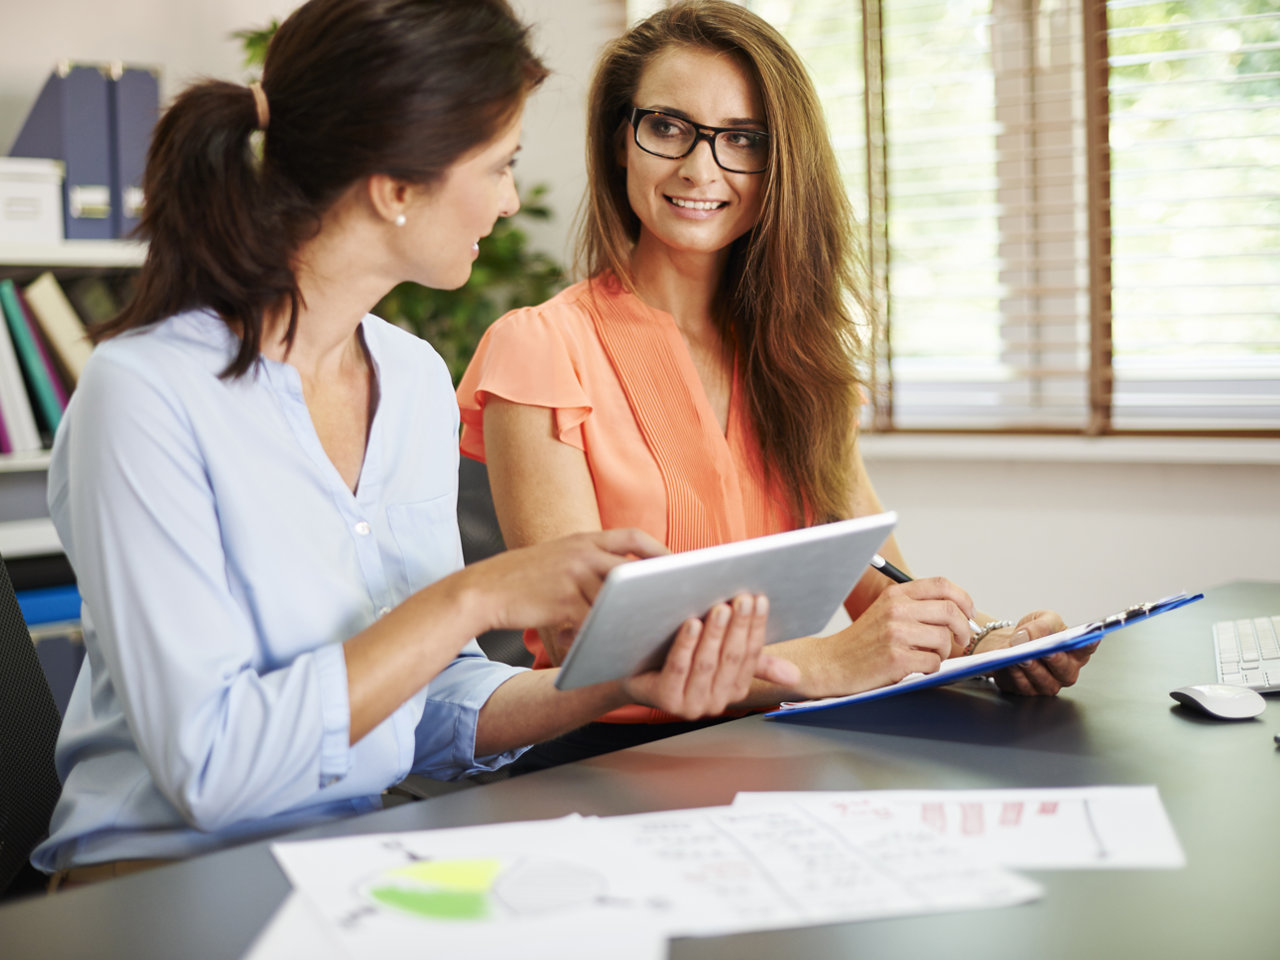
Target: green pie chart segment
{"points": [[440, 889]]}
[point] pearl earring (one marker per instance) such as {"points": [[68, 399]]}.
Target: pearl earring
{"points": [[400, 220]]}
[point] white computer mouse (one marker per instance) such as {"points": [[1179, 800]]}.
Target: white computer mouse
{"points": [[1222, 700]]}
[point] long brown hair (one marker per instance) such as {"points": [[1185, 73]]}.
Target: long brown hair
{"points": [[788, 294], [353, 88]]}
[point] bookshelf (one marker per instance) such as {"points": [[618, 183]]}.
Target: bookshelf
{"points": [[25, 527], [70, 258]]}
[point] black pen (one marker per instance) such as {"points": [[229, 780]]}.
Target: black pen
{"points": [[897, 576]]}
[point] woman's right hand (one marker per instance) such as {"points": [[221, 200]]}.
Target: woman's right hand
{"points": [[909, 628], [712, 662], [550, 584]]}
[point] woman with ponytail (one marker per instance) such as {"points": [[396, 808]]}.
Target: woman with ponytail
{"points": [[255, 481], [701, 383]]}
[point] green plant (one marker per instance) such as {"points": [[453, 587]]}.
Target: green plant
{"points": [[254, 41], [506, 275]]}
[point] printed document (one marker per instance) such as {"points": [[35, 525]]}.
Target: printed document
{"points": [[1060, 828], [570, 886]]}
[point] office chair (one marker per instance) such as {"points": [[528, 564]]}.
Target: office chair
{"points": [[481, 538], [29, 723]]}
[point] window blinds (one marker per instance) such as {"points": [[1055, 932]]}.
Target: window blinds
{"points": [[1195, 212], [988, 306]]}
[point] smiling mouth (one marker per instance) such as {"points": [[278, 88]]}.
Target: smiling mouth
{"points": [[697, 204]]}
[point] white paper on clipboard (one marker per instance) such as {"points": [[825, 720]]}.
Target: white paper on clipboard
{"points": [[957, 668]]}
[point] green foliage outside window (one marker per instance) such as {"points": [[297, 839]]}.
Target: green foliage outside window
{"points": [[506, 275], [1195, 98]]}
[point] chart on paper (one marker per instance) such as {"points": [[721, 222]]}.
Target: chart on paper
{"points": [[483, 889], [518, 887], [1052, 829]]}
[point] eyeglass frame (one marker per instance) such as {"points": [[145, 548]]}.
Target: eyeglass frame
{"points": [[701, 131]]}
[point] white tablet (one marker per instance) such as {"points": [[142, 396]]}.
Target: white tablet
{"points": [[806, 574]]}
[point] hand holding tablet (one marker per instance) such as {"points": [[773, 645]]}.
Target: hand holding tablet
{"points": [[805, 573]]}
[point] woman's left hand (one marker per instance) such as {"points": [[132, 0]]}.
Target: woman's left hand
{"points": [[1043, 677]]}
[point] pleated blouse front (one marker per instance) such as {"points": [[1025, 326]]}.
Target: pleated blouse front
{"points": [[621, 384]]}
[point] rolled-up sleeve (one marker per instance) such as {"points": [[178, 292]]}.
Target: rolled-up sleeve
{"points": [[335, 712], [446, 734]]}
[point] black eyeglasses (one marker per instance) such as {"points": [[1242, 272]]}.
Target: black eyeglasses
{"points": [[738, 151]]}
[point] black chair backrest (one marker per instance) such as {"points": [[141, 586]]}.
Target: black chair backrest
{"points": [[481, 538], [29, 725]]}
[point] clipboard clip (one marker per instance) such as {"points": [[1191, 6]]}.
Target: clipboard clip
{"points": [[1135, 612]]}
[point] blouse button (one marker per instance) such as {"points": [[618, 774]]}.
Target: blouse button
{"points": [[383, 611], [363, 528]]}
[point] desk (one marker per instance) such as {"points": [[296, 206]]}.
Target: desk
{"points": [[1220, 783]]}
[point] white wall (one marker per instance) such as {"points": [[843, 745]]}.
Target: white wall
{"points": [[192, 38], [567, 34], [1077, 532]]}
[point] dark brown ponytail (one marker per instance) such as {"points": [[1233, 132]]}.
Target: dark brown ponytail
{"points": [[353, 88]]}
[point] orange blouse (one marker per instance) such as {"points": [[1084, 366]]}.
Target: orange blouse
{"points": [[623, 389]]}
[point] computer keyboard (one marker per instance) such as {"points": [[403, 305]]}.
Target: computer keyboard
{"points": [[1248, 652]]}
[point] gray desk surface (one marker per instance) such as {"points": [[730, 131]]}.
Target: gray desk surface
{"points": [[1220, 783]]}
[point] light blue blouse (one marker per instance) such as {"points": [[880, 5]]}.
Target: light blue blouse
{"points": [[222, 561]]}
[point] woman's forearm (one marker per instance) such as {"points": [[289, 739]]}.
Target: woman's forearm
{"points": [[528, 708], [400, 653]]}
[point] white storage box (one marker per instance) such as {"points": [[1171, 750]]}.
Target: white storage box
{"points": [[30, 200]]}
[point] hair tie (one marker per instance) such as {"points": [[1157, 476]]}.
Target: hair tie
{"points": [[260, 101]]}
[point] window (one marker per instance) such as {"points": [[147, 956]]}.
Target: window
{"points": [[1195, 212], [1072, 208]]}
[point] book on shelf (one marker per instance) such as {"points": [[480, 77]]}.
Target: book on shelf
{"points": [[42, 379], [61, 325], [50, 604], [23, 436], [5, 446], [57, 376], [94, 299]]}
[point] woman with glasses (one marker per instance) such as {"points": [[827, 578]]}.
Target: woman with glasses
{"points": [[701, 383]]}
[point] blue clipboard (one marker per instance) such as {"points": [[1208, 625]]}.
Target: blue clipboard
{"points": [[958, 668]]}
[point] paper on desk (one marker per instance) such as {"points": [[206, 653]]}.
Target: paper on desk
{"points": [[586, 884], [778, 865], [1063, 828], [536, 890]]}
